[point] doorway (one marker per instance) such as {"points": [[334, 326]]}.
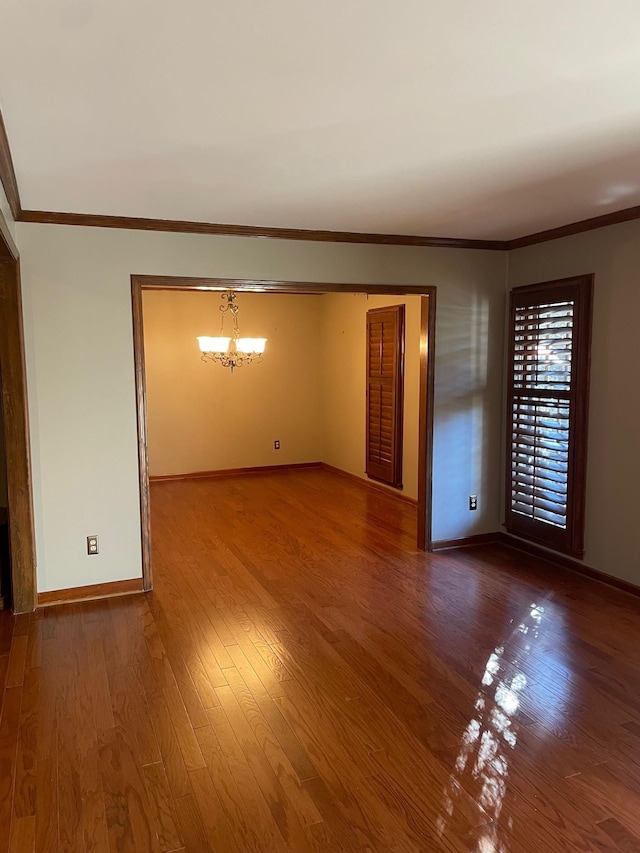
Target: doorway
{"points": [[426, 373], [21, 541]]}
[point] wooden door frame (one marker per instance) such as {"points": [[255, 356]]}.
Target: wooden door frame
{"points": [[16, 425], [427, 364]]}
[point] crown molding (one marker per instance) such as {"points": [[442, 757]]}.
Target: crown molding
{"points": [[10, 184], [7, 173], [187, 227], [626, 215]]}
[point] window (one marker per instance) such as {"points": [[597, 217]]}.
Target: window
{"points": [[385, 377], [547, 412]]}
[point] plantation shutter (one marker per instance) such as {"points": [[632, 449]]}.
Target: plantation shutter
{"points": [[547, 412], [385, 376]]}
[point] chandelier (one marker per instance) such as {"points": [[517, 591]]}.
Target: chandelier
{"points": [[234, 351]]}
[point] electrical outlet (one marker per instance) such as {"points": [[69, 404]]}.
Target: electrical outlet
{"points": [[92, 545], [276, 445], [473, 502]]}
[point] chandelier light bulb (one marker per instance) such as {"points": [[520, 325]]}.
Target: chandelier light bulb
{"points": [[207, 344]]}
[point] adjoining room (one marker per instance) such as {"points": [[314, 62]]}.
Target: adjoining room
{"points": [[303, 413]]}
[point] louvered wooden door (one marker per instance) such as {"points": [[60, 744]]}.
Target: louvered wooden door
{"points": [[385, 375]]}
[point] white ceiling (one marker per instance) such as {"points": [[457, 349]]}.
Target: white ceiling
{"points": [[461, 118]]}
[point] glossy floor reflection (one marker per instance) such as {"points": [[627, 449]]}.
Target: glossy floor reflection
{"points": [[490, 739], [302, 679]]}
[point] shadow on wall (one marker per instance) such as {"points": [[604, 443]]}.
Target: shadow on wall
{"points": [[468, 415]]}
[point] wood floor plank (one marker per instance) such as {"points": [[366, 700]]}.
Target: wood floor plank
{"points": [[259, 804], [24, 801], [4, 669], [160, 719], [625, 841], [185, 733], [21, 626], [7, 624], [100, 679], [131, 711], [23, 835], [69, 767], [216, 823], [93, 813], [226, 789], [130, 817], [175, 649], [192, 825], [34, 642], [162, 807], [612, 789], [9, 727], [17, 661], [46, 810], [291, 808], [47, 815], [296, 754]]}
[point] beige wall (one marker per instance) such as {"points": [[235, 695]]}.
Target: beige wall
{"points": [[344, 382], [204, 418], [79, 352], [613, 466]]}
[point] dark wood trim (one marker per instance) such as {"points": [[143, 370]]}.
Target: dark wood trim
{"points": [[231, 472], [7, 173], [5, 597], [249, 289], [91, 220], [138, 283], [591, 224], [8, 248], [18, 453], [425, 425], [371, 484], [165, 282], [141, 414], [90, 592], [511, 541], [465, 541], [186, 227], [579, 444]]}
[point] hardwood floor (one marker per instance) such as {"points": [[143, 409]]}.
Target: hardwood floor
{"points": [[302, 679]]}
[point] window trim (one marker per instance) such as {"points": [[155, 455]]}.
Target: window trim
{"points": [[571, 539]]}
